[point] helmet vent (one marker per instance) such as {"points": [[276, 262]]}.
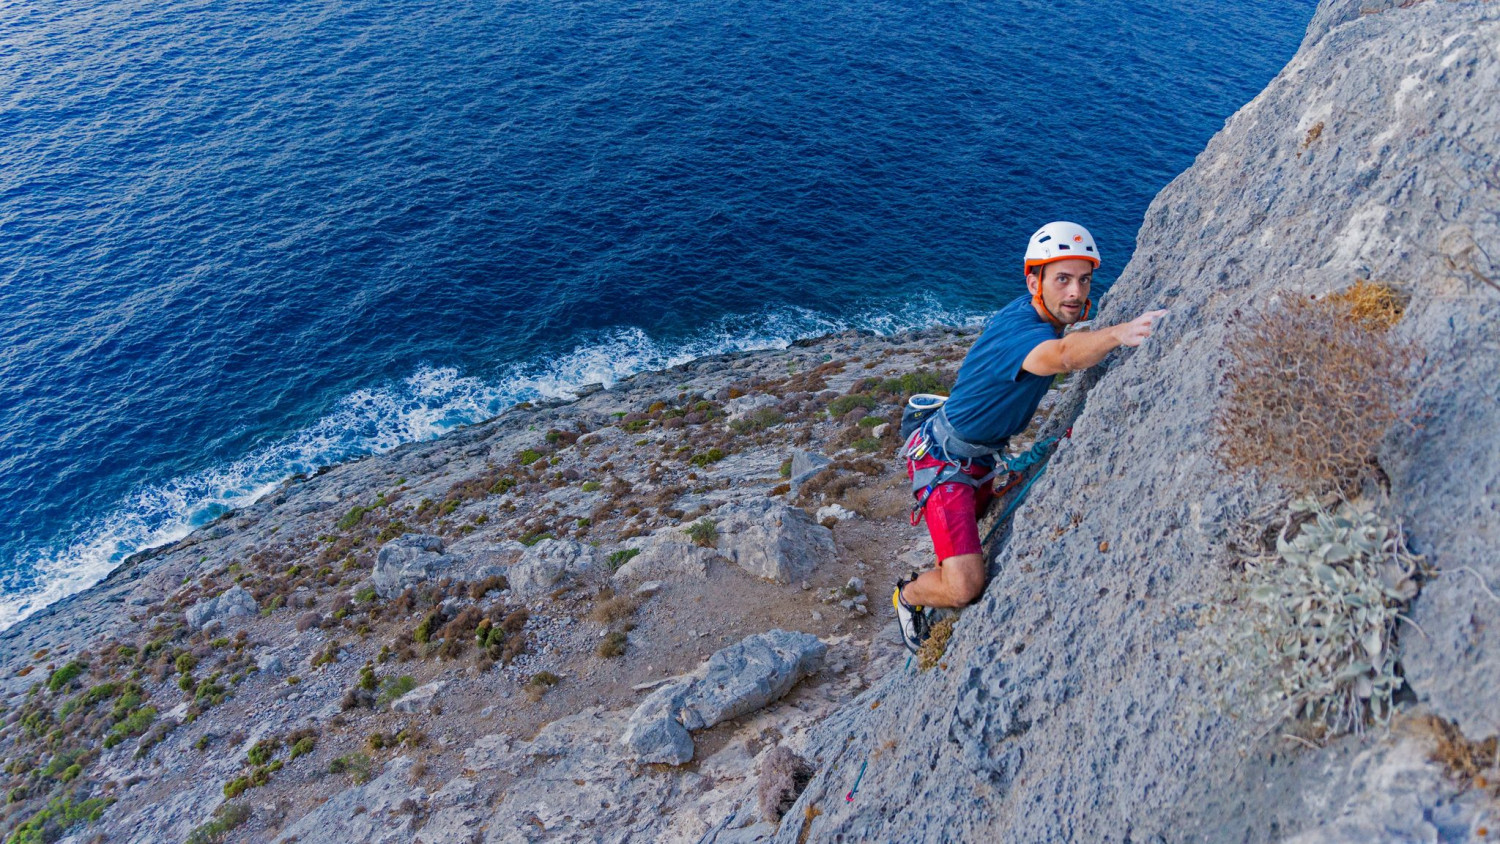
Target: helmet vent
{"points": [[1063, 246], [1044, 239], [1089, 248]]}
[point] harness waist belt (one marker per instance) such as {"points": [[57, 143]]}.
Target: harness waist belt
{"points": [[941, 431]]}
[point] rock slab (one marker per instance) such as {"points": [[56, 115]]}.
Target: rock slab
{"points": [[772, 540], [408, 560], [548, 563], [738, 679], [233, 602]]}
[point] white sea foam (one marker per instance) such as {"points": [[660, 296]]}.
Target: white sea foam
{"points": [[428, 403]]}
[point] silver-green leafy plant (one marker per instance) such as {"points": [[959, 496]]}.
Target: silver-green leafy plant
{"points": [[1324, 613]]}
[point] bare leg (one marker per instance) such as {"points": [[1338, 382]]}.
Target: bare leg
{"points": [[956, 582]]}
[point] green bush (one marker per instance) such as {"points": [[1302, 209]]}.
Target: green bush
{"points": [[59, 815], [353, 517], [65, 675], [590, 486], [395, 687], [713, 455], [133, 725], [528, 456], [304, 746], [703, 532], [621, 557], [357, 765], [226, 818], [262, 752], [428, 626], [613, 645], [758, 420], [921, 381], [844, 404]]}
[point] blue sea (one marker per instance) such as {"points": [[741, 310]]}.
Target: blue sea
{"points": [[241, 239]]}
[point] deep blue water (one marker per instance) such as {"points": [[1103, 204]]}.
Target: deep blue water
{"points": [[244, 238]]}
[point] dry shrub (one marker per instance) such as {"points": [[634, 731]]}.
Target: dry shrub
{"points": [[931, 653], [1466, 761], [612, 645], [783, 776], [611, 610], [1311, 393]]}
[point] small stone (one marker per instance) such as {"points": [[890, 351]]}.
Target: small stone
{"points": [[817, 616]]}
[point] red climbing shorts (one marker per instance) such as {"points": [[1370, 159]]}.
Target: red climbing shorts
{"points": [[953, 511]]}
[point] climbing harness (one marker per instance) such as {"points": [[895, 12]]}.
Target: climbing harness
{"points": [[935, 436]]}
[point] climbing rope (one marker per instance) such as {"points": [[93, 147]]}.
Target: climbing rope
{"points": [[849, 798], [1035, 457]]}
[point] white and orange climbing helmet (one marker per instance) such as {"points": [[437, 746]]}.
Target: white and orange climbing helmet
{"points": [[1060, 241]]}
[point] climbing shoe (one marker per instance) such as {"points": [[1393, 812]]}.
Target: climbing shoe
{"points": [[913, 620]]}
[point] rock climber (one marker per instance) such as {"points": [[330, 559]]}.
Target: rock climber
{"points": [[951, 455]]}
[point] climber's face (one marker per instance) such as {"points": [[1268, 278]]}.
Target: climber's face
{"points": [[1065, 287]]}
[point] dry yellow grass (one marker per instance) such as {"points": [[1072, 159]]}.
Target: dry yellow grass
{"points": [[1376, 306]]}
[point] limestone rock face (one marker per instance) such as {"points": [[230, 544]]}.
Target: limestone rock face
{"points": [[408, 560], [738, 679], [370, 812], [1074, 699], [771, 540], [547, 563], [231, 603]]}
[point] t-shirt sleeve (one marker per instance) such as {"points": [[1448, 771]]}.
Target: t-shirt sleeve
{"points": [[1018, 339]]}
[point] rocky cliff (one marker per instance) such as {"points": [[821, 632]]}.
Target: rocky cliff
{"points": [[643, 616], [1072, 706]]}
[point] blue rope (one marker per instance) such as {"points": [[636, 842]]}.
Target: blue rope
{"points": [[1036, 456], [1038, 453]]}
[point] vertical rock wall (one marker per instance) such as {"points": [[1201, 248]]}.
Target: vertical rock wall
{"points": [[1070, 707]]}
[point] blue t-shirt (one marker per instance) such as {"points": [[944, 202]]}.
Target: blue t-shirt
{"points": [[994, 398]]}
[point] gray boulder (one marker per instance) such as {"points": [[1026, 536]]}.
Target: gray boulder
{"points": [[409, 560], [771, 540], [738, 679], [806, 465], [668, 555], [743, 406], [655, 734], [418, 699], [547, 563], [232, 603]]}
